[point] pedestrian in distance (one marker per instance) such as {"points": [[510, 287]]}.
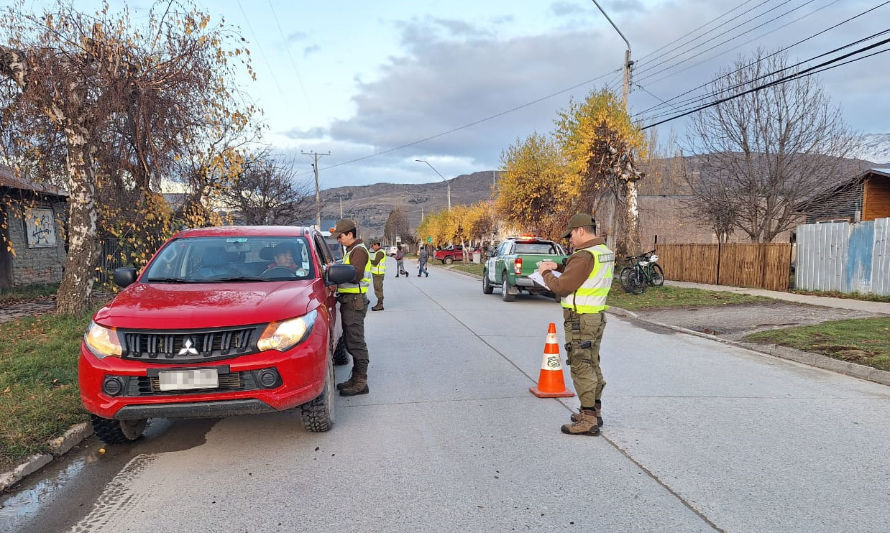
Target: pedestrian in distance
{"points": [[583, 287], [378, 270], [353, 298], [422, 257], [400, 262]]}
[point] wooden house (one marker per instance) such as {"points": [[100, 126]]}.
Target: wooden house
{"points": [[862, 198]]}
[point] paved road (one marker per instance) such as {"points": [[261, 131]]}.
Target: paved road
{"points": [[699, 436]]}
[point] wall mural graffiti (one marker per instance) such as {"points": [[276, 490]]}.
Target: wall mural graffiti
{"points": [[40, 228]]}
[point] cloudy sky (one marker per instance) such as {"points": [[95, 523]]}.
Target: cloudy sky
{"points": [[381, 84]]}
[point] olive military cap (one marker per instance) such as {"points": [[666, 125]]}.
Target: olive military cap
{"points": [[577, 221], [344, 225]]}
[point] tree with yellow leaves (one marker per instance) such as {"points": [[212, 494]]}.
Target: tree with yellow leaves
{"points": [[536, 190], [600, 144]]}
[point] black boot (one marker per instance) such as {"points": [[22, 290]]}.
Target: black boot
{"points": [[359, 380]]}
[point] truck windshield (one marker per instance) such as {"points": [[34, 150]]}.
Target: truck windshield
{"points": [[540, 248], [220, 259]]}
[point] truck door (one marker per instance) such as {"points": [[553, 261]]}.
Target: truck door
{"points": [[498, 267]]}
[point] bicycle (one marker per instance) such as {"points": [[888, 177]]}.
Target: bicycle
{"points": [[644, 271]]}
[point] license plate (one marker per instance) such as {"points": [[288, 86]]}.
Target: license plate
{"points": [[204, 378]]}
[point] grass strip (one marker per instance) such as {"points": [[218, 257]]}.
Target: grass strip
{"points": [[865, 341], [668, 297], [847, 296], [471, 268], [39, 395]]}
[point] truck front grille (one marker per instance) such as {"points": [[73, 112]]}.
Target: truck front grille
{"points": [[189, 346]]}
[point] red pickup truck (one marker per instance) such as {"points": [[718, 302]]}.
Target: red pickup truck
{"points": [[451, 254], [215, 326]]}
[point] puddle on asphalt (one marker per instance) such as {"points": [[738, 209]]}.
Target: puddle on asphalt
{"points": [[59, 495]]}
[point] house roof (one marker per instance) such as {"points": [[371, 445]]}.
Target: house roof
{"points": [[847, 184], [9, 179]]}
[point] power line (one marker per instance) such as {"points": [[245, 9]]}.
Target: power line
{"points": [[702, 26], [719, 44], [656, 58], [724, 52], [262, 53], [696, 100], [806, 72], [641, 113], [293, 63], [474, 123]]}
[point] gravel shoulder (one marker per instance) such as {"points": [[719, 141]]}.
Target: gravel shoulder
{"points": [[733, 322]]}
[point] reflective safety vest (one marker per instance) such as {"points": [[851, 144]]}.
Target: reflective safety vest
{"points": [[381, 266], [362, 286], [590, 297]]}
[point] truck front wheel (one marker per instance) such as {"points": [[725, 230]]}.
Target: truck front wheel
{"points": [[318, 414], [448, 260], [117, 431]]}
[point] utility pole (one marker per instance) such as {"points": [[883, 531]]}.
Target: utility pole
{"points": [[341, 205], [317, 194], [625, 90], [627, 61]]}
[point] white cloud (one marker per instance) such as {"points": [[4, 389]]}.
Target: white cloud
{"points": [[452, 73]]}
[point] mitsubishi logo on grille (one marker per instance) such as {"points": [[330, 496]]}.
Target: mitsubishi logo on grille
{"points": [[187, 348]]}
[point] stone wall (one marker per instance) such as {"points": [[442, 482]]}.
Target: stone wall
{"points": [[35, 264]]}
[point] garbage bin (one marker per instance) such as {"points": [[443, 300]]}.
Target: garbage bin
{"points": [[477, 257]]}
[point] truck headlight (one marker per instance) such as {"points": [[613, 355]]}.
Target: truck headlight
{"points": [[102, 342], [284, 335]]}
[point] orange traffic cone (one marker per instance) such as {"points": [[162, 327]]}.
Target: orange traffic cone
{"points": [[551, 383]]}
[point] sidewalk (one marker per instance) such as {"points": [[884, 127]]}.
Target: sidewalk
{"points": [[824, 301]]}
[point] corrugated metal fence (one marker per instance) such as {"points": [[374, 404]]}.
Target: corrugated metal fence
{"points": [[766, 266], [844, 257]]}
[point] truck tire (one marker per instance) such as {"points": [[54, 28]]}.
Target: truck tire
{"points": [[448, 260], [341, 356], [117, 431], [505, 290], [486, 284], [318, 414]]}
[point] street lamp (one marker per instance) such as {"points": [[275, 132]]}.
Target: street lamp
{"points": [[448, 183]]}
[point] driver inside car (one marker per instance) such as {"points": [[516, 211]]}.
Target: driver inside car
{"points": [[284, 257]]}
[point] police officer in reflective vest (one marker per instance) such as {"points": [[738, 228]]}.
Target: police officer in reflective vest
{"points": [[378, 270], [583, 286], [354, 302]]}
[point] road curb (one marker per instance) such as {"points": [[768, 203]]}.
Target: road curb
{"points": [[58, 447], [783, 352]]}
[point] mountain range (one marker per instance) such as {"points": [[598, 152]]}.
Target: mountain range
{"points": [[875, 148], [370, 205]]}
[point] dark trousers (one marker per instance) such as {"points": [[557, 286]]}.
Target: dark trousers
{"points": [[378, 287], [353, 308]]}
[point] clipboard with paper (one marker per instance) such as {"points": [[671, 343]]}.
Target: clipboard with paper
{"points": [[539, 279]]}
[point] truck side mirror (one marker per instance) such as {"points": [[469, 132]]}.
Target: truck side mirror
{"points": [[339, 273]]}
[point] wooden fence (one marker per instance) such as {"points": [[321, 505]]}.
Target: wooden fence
{"points": [[766, 266]]}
